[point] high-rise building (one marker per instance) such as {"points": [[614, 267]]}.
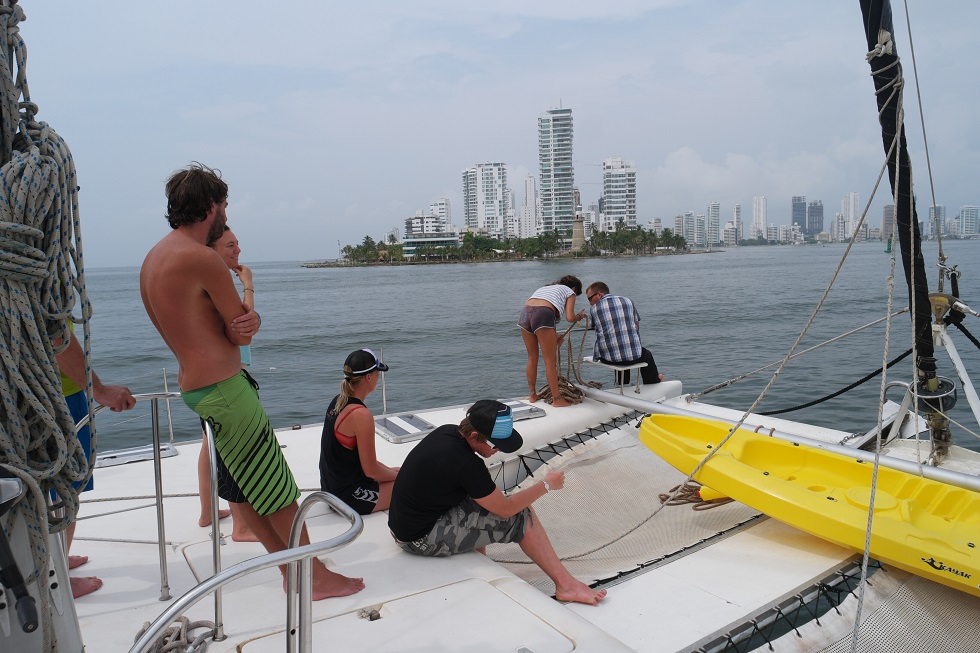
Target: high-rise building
{"points": [[437, 220], [851, 211], [442, 209], [527, 225], [839, 230], [692, 228], [737, 221], [758, 217], [814, 217], [619, 191], [713, 224], [557, 177], [969, 219], [486, 198], [798, 214], [888, 221]]}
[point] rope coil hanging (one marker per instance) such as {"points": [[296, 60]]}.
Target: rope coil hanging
{"points": [[40, 252]]}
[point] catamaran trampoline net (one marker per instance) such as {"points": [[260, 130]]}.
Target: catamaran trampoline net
{"points": [[614, 476], [902, 613]]}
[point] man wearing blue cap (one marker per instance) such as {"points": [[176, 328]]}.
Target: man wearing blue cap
{"points": [[444, 500]]}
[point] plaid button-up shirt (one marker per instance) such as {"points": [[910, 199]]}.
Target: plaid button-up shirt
{"points": [[617, 329]]}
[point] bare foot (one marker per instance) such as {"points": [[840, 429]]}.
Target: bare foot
{"points": [[206, 521], [662, 377], [561, 403], [328, 584], [580, 593], [244, 534], [84, 585], [76, 561], [333, 584], [534, 397]]}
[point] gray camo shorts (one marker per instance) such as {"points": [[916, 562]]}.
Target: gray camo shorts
{"points": [[467, 527]]}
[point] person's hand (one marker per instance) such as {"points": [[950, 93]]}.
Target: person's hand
{"points": [[116, 398], [245, 274], [555, 479], [247, 324], [561, 339]]}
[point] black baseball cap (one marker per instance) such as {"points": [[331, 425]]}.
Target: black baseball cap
{"points": [[361, 362], [496, 421]]}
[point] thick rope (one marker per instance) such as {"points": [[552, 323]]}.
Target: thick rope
{"points": [[179, 636], [566, 389], [38, 221]]}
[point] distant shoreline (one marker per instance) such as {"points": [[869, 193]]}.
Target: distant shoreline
{"points": [[364, 264]]}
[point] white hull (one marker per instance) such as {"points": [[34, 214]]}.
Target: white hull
{"points": [[467, 601]]}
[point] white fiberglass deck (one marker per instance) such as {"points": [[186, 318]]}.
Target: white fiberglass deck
{"points": [[424, 604]]}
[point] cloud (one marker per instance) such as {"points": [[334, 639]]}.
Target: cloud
{"points": [[333, 120]]}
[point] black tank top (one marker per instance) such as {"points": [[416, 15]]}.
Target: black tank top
{"points": [[340, 467]]}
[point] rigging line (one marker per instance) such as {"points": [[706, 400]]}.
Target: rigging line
{"points": [[886, 44], [962, 426], [965, 332], [725, 384], [860, 381], [925, 140], [813, 316]]}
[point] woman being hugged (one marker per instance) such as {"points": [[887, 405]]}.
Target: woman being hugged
{"points": [[538, 322], [349, 466]]}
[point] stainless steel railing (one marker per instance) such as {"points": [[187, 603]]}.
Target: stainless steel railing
{"points": [[287, 556], [304, 611], [154, 398]]}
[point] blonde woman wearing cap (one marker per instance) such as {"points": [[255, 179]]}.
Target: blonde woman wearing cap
{"points": [[539, 328], [349, 466]]}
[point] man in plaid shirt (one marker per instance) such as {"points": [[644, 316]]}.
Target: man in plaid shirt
{"points": [[617, 333]]}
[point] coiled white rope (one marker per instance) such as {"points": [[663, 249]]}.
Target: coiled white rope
{"points": [[40, 273]]}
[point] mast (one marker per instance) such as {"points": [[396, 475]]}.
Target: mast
{"points": [[936, 394], [886, 70]]}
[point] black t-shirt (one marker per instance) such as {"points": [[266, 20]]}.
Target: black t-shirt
{"points": [[340, 467], [437, 474]]}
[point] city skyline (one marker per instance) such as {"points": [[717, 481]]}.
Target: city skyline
{"points": [[354, 117]]}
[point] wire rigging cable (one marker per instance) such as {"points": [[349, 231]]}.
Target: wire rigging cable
{"points": [[40, 252]]}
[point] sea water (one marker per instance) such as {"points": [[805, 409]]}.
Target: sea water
{"points": [[449, 332]]}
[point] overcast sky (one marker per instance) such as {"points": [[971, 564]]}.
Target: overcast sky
{"points": [[332, 120]]}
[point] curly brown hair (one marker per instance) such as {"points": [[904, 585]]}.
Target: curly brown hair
{"points": [[572, 282], [191, 192]]}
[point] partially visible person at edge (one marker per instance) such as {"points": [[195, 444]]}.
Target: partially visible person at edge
{"points": [[191, 300], [539, 328], [71, 363], [617, 334], [349, 465], [227, 246], [445, 501]]}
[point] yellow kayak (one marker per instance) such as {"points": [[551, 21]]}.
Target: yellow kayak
{"points": [[925, 527]]}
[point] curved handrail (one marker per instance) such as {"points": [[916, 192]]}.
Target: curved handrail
{"points": [[304, 613], [245, 568]]}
